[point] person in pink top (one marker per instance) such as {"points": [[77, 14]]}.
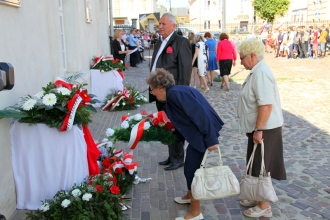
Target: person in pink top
{"points": [[226, 55]]}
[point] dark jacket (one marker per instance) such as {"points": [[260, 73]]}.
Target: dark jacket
{"points": [[116, 49], [193, 117], [175, 58]]}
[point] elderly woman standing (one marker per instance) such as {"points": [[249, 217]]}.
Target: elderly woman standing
{"points": [[260, 117], [195, 119]]}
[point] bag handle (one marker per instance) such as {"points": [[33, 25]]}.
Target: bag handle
{"points": [[205, 156], [218, 186], [250, 163]]}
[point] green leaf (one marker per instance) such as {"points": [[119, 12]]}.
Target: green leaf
{"points": [[12, 114]]}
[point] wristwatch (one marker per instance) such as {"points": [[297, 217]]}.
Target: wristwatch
{"points": [[257, 129]]}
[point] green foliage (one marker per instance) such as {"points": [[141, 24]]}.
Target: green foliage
{"points": [[107, 65], [98, 197], [268, 9], [132, 99], [51, 115]]}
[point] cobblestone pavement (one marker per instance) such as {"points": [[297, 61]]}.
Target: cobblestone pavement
{"points": [[303, 86], [304, 89]]}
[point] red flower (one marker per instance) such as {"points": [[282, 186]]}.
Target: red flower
{"points": [[131, 99], [131, 103], [169, 126], [114, 190], [119, 171], [106, 162], [126, 98], [90, 182], [126, 64], [113, 61], [155, 121], [99, 188], [83, 94], [124, 117]]}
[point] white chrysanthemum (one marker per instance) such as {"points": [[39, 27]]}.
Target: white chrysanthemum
{"points": [[29, 104], [145, 99], [65, 203], [87, 196], [123, 103], [124, 124], [146, 125], [40, 94], [109, 132], [49, 99], [137, 117], [105, 140], [121, 61], [76, 192], [63, 91], [44, 207]]}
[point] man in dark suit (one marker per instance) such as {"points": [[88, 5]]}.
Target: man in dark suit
{"points": [[173, 53]]}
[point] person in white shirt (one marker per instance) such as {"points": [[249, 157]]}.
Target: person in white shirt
{"points": [[260, 117]]}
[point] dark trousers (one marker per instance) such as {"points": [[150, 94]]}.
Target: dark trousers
{"points": [[175, 151], [193, 162], [303, 49], [278, 49], [133, 59]]}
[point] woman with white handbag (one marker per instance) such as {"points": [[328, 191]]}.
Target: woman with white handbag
{"points": [[260, 117], [197, 122]]}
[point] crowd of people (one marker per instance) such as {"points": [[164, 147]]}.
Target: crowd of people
{"points": [[298, 42]]}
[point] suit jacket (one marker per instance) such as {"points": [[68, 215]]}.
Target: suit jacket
{"points": [[175, 58], [193, 117], [116, 48]]}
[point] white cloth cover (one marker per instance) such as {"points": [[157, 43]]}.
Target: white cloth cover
{"points": [[45, 161], [104, 83]]}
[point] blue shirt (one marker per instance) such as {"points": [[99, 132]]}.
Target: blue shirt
{"points": [[131, 40]]}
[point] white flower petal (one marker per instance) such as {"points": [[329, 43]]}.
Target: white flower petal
{"points": [[29, 104], [109, 132], [146, 125], [49, 99], [137, 117]]}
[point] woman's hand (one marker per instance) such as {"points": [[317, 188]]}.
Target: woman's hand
{"points": [[214, 147], [257, 137], [128, 51], [234, 62]]}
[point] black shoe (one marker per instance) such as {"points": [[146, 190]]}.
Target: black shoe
{"points": [[174, 166], [165, 162]]}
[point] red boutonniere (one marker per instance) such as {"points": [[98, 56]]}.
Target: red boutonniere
{"points": [[169, 49]]}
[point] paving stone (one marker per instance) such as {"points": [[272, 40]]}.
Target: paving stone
{"points": [[306, 137]]}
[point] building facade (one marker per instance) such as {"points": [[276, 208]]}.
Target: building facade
{"points": [[126, 12], [43, 40]]}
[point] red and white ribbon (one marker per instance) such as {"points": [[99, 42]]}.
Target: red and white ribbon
{"points": [[97, 60]]}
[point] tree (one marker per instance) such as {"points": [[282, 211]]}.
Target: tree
{"points": [[268, 9]]}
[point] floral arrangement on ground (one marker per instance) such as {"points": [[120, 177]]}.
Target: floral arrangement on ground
{"points": [[60, 104], [144, 127], [107, 63], [128, 99], [99, 196]]}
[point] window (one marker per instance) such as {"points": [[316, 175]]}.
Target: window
{"points": [[207, 24], [219, 23]]}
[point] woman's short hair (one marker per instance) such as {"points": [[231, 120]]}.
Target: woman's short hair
{"points": [[252, 46], [160, 79], [117, 32], [207, 34], [191, 37], [223, 36]]}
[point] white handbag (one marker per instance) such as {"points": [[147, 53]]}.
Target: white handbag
{"points": [[214, 182], [257, 188]]}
